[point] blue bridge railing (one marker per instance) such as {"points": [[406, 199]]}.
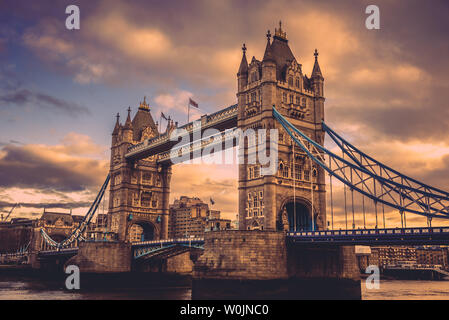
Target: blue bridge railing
{"points": [[388, 236]]}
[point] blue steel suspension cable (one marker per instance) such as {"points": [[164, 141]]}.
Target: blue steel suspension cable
{"points": [[288, 126]]}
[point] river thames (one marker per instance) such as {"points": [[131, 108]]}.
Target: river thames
{"points": [[24, 288]]}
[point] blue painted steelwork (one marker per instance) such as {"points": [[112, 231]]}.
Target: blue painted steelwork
{"points": [[389, 236], [145, 248], [408, 188], [362, 176], [77, 233]]}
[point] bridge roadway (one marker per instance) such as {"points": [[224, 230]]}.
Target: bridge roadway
{"points": [[374, 237], [370, 237]]}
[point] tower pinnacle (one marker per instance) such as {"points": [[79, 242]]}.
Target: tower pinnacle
{"points": [[316, 72], [117, 124], [128, 123], [243, 69], [144, 105], [279, 33]]}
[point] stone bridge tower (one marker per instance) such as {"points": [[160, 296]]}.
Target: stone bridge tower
{"points": [[285, 200], [139, 190]]}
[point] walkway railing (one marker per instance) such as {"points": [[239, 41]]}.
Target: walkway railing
{"points": [[375, 236], [207, 121]]}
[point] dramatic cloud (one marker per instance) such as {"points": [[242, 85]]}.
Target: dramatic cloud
{"points": [[24, 97], [61, 167], [386, 90]]}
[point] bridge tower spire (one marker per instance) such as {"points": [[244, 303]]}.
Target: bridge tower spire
{"points": [[285, 199]]}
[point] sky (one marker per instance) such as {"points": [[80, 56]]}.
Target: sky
{"points": [[386, 90]]}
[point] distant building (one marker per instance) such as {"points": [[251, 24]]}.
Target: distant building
{"points": [[433, 256], [393, 255], [192, 217], [382, 256]]}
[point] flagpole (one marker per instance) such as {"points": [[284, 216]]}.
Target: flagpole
{"points": [[188, 112], [160, 122]]}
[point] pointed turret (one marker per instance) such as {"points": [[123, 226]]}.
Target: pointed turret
{"points": [[128, 123], [117, 125], [281, 52], [316, 79], [128, 128], [243, 70], [268, 55], [242, 75], [316, 72], [268, 61], [143, 122]]}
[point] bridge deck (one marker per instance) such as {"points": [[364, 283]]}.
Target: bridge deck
{"points": [[373, 237], [370, 237]]}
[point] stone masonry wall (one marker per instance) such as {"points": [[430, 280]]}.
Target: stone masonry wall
{"points": [[180, 264], [322, 261], [103, 257], [12, 238], [239, 254]]}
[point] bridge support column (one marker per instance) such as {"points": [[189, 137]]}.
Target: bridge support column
{"points": [[103, 257], [238, 261], [323, 272], [260, 264]]}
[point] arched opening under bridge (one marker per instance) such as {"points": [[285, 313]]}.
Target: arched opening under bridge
{"points": [[299, 217], [141, 231]]}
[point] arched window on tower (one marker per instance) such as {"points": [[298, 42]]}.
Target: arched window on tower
{"points": [[253, 96], [290, 81], [146, 178], [307, 175], [255, 200], [254, 76], [298, 172], [145, 199], [286, 170]]}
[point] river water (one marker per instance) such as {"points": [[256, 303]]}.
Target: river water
{"points": [[23, 288]]}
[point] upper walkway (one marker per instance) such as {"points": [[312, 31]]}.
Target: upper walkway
{"points": [[162, 144]]}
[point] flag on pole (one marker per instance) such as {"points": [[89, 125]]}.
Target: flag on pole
{"points": [[212, 202], [163, 116], [193, 103]]}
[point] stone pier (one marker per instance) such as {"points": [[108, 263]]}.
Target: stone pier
{"points": [[260, 264], [103, 257]]}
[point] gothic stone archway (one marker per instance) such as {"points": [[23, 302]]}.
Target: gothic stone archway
{"points": [[142, 230], [295, 215]]}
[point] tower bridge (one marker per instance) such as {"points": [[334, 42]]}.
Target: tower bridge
{"points": [[285, 227]]}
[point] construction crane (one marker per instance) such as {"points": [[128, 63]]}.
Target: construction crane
{"points": [[10, 211]]}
